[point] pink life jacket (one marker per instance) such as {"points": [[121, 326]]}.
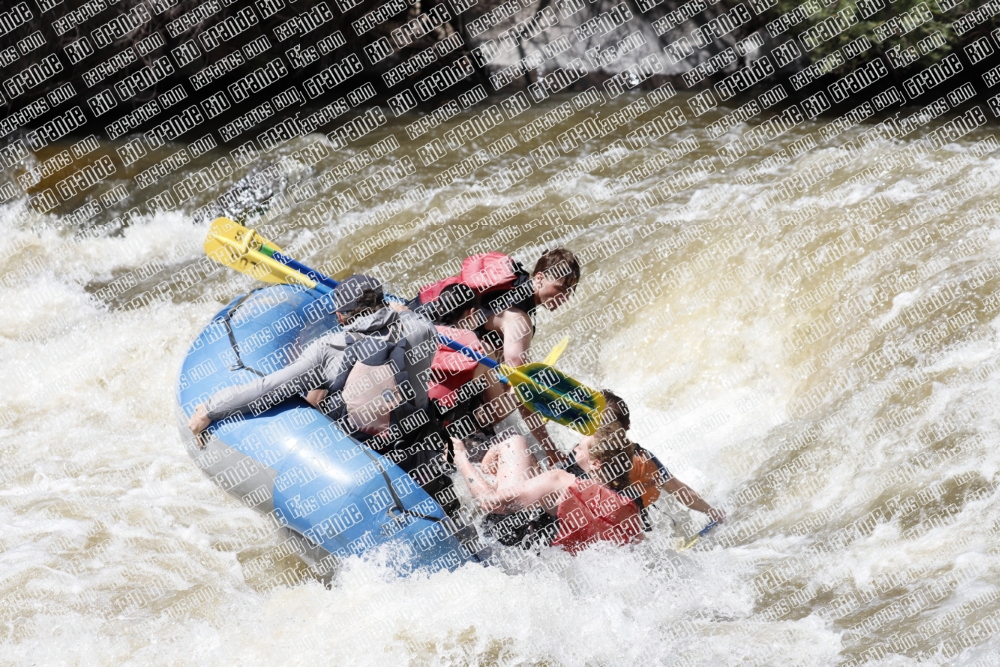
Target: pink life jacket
{"points": [[593, 512], [485, 273], [451, 369]]}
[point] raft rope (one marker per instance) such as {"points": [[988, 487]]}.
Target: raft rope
{"points": [[396, 500], [239, 365]]}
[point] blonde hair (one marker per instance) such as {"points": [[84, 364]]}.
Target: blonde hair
{"points": [[614, 451]]}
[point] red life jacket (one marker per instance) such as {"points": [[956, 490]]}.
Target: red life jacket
{"points": [[489, 272], [451, 369], [593, 512]]}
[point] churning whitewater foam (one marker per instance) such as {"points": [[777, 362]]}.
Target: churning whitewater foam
{"points": [[826, 371]]}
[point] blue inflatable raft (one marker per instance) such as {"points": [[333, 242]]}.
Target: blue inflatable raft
{"points": [[337, 496]]}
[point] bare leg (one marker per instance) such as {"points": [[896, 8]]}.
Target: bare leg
{"points": [[481, 489], [500, 401], [514, 465]]}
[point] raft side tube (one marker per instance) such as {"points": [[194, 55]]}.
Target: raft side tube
{"points": [[291, 461]]}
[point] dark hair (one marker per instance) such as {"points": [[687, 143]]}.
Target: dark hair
{"points": [[615, 410], [369, 301], [558, 263], [615, 451], [453, 301]]}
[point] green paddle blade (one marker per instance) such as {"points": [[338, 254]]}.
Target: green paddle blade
{"points": [[558, 397]]}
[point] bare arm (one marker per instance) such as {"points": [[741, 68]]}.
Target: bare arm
{"points": [[515, 325], [686, 495], [515, 491], [537, 427]]}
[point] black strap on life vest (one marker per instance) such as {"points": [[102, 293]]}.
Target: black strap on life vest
{"points": [[524, 528], [643, 513], [495, 302]]}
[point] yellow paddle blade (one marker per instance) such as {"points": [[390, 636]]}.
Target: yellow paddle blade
{"points": [[553, 357], [231, 244], [556, 352], [234, 231]]}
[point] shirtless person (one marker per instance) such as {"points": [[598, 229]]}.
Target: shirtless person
{"points": [[647, 477], [584, 509]]}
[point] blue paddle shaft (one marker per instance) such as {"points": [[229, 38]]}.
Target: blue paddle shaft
{"points": [[470, 353], [323, 289], [299, 266]]}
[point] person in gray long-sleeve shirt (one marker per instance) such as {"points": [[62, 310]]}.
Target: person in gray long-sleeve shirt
{"points": [[361, 309]]}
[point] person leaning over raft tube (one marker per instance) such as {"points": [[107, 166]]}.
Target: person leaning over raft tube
{"points": [[342, 363], [586, 509], [510, 296], [648, 477]]}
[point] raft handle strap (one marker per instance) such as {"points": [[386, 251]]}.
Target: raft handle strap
{"points": [[396, 500], [239, 365], [402, 510]]}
